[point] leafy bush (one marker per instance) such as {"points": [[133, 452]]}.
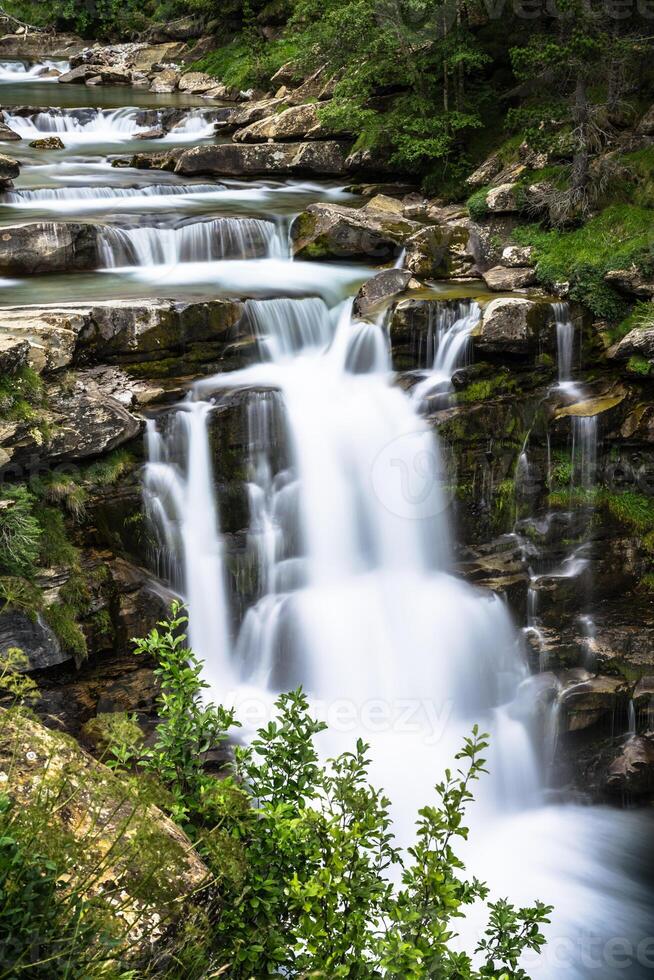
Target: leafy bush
{"points": [[20, 533], [477, 204], [302, 849]]}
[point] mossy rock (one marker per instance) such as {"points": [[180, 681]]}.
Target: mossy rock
{"points": [[135, 863]]}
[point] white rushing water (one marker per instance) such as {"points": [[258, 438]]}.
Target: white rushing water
{"points": [[21, 71], [79, 126], [196, 242], [446, 345], [355, 600]]}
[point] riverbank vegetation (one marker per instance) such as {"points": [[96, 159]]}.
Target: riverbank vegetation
{"points": [[299, 853]]}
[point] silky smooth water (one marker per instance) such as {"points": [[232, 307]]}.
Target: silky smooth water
{"points": [[350, 536]]}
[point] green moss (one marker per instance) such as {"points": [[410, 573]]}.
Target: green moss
{"points": [[477, 204], [61, 619], [616, 238], [485, 388], [634, 510], [638, 365], [55, 547], [21, 394]]}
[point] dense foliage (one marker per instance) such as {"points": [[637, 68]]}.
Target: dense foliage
{"points": [[303, 851]]}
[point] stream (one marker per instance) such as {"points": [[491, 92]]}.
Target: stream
{"points": [[354, 594]]}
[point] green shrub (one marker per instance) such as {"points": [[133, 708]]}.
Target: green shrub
{"points": [[477, 204], [302, 849], [20, 533], [61, 618]]}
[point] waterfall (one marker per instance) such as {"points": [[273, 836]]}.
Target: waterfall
{"points": [[584, 451], [85, 195], [199, 241], [19, 71], [446, 345], [180, 504], [101, 125], [565, 342]]}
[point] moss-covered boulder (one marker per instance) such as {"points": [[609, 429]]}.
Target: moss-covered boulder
{"points": [[103, 831], [335, 231], [513, 325]]}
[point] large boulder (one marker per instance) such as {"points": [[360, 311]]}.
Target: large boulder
{"points": [[47, 247], [586, 703], [512, 325], [336, 231], [379, 290], [505, 198], [231, 118], [51, 334], [139, 869], [126, 332], [85, 416], [639, 341], [631, 281], [297, 122], [500, 279], [32, 635], [165, 81], [196, 82], [439, 252], [235, 160], [632, 771], [9, 168]]}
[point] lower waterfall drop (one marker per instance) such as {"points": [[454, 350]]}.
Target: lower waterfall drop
{"points": [[389, 644]]}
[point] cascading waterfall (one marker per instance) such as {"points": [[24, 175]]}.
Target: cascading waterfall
{"points": [[85, 198], [584, 451], [198, 241], [565, 342], [446, 345], [102, 125], [180, 504], [355, 601], [19, 71]]}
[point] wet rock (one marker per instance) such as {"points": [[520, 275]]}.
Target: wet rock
{"points": [[584, 704], [632, 772], [156, 133], [31, 249], [222, 92], [333, 230], [9, 168], [505, 199], [379, 290], [145, 858], [127, 332], [7, 135], [234, 160], [165, 81], [79, 75], [48, 143], [33, 636], [513, 325], [196, 82], [500, 279], [148, 55], [439, 252]]}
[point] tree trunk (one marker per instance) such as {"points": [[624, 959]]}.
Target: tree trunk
{"points": [[581, 118]]}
